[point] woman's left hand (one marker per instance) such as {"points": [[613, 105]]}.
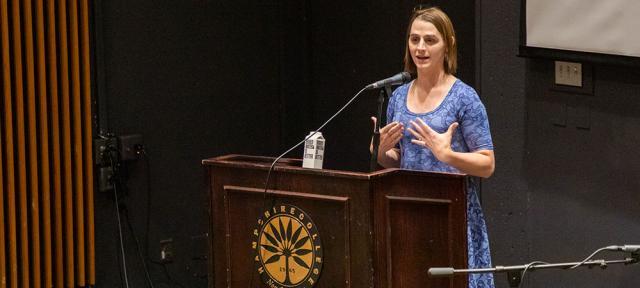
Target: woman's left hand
{"points": [[439, 144]]}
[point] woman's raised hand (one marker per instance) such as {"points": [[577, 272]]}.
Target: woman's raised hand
{"points": [[390, 135], [439, 144]]}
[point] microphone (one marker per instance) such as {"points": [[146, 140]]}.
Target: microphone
{"points": [[626, 248], [440, 272], [397, 79]]}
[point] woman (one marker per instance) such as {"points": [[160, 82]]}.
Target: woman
{"points": [[438, 123]]}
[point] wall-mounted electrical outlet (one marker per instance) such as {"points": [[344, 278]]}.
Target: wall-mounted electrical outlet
{"points": [[568, 73], [166, 250]]}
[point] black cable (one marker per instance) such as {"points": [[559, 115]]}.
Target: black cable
{"points": [[116, 181], [135, 238], [148, 212], [115, 193], [104, 156], [142, 152]]}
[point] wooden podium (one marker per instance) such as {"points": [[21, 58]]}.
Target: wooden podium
{"points": [[380, 229]]}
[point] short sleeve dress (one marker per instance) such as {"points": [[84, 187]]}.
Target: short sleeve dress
{"points": [[461, 104]]}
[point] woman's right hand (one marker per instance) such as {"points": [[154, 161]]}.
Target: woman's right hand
{"points": [[390, 135]]}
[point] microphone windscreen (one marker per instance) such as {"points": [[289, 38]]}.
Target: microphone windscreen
{"points": [[440, 272]]}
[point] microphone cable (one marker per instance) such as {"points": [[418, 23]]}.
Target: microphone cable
{"points": [[527, 267], [593, 254], [273, 164]]}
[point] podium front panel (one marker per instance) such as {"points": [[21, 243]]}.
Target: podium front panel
{"points": [[381, 229], [420, 220], [338, 206]]}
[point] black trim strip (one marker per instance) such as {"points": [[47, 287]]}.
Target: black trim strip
{"points": [[577, 56]]}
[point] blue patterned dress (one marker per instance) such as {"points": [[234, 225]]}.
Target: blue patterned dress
{"points": [[461, 105]]}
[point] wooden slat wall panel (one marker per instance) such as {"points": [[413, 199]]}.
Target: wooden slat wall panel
{"points": [[46, 163], [44, 145], [3, 259], [76, 104], [56, 167], [33, 161], [4, 140], [3, 264], [8, 145], [21, 168], [87, 124], [65, 112]]}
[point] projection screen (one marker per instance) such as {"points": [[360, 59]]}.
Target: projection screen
{"points": [[594, 26]]}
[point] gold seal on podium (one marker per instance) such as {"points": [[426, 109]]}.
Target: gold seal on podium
{"points": [[288, 248]]}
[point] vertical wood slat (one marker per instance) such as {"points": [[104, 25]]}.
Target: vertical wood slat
{"points": [[3, 258], [12, 272], [33, 186], [88, 143], [44, 146], [55, 143], [6, 92], [56, 176], [20, 143], [66, 142], [78, 164]]}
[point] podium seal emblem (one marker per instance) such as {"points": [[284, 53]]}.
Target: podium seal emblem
{"points": [[287, 247]]}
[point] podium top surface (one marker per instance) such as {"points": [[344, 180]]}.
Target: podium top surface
{"points": [[295, 165]]}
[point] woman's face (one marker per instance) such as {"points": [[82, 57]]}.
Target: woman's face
{"points": [[426, 46]]}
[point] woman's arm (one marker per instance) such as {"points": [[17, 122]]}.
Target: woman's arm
{"points": [[390, 135], [479, 163], [390, 158]]}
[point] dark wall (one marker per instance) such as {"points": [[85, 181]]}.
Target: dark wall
{"points": [[566, 170], [197, 79], [206, 78], [582, 170], [502, 83]]}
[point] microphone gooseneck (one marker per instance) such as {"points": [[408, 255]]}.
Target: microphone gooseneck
{"points": [[398, 79]]}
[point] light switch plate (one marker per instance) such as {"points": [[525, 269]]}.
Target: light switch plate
{"points": [[568, 73]]}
